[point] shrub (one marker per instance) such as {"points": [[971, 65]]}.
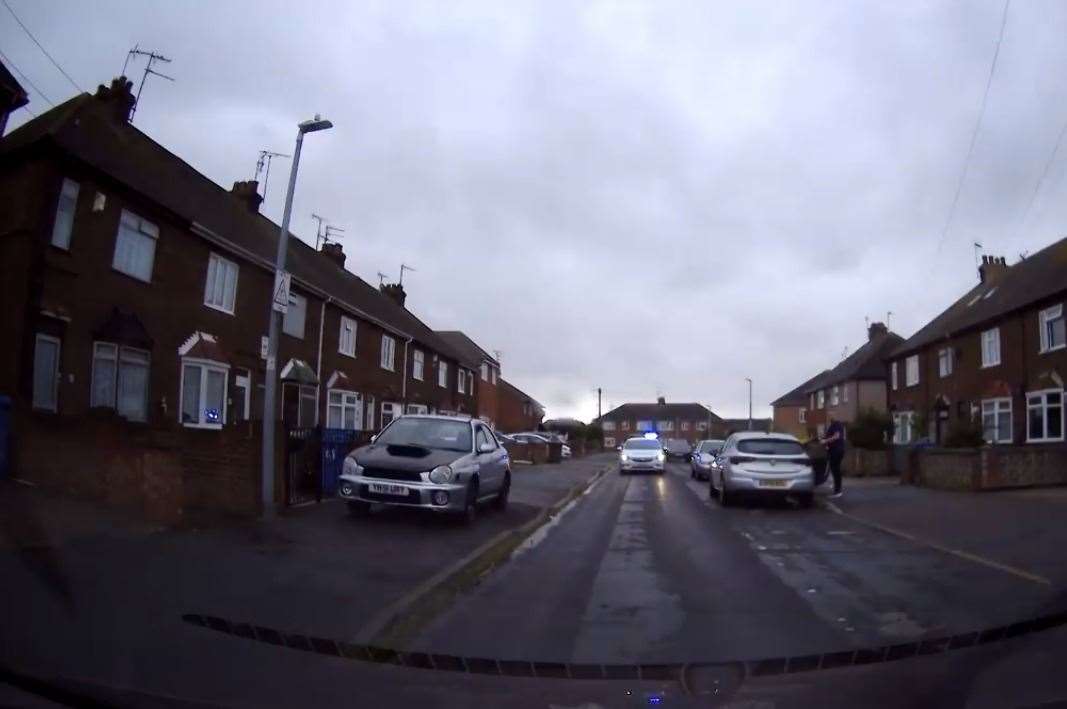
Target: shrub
{"points": [[593, 432], [965, 434], [870, 429]]}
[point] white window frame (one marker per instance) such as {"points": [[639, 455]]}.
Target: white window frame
{"points": [[995, 407], [346, 336], [66, 206], [1045, 319], [396, 411], [684, 426], [911, 371], [418, 409], [297, 304], [844, 392], [625, 425], [1044, 407], [835, 395], [211, 280], [52, 406], [205, 365], [802, 415], [442, 374], [387, 360], [648, 425], [820, 399], [893, 375], [418, 365], [903, 427], [990, 342], [664, 425], [607, 426], [944, 362], [461, 380], [116, 356], [493, 374], [485, 371], [138, 227], [242, 379], [350, 400], [702, 425], [609, 442]]}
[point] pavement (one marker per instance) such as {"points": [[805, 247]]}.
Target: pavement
{"points": [[638, 569]]}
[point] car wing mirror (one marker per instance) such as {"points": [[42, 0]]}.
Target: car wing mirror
{"points": [[374, 438], [618, 448], [486, 448]]}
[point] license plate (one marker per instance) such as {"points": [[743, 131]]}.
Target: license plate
{"points": [[386, 489], [772, 483]]}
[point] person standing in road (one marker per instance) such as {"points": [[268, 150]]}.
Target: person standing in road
{"points": [[834, 440]]}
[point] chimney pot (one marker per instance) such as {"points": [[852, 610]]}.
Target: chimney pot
{"points": [[118, 98], [661, 400], [248, 192], [335, 252], [395, 292], [877, 329], [992, 268]]}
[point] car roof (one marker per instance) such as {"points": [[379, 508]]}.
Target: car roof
{"points": [[439, 417], [748, 435]]}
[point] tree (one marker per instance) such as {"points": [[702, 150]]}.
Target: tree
{"points": [[871, 429]]}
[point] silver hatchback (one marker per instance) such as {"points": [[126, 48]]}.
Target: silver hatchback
{"points": [[763, 463], [445, 464]]}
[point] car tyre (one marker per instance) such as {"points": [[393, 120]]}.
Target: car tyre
{"points": [[470, 505], [358, 508], [501, 501]]}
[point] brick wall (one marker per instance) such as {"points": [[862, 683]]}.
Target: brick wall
{"points": [[787, 420], [990, 468]]}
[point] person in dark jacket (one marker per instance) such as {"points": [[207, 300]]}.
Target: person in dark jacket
{"points": [[834, 440]]}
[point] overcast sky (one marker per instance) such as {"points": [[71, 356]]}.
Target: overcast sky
{"points": [[649, 198]]}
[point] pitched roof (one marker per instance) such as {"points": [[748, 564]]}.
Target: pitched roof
{"points": [[519, 393], [1036, 277], [799, 396], [86, 128], [465, 346], [638, 411], [868, 362]]}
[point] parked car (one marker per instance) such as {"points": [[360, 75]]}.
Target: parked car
{"points": [[445, 464], [703, 458], [541, 437], [753, 462], [677, 448], [504, 438], [641, 454]]}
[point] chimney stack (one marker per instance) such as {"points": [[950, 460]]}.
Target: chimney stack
{"points": [[395, 292], [992, 268], [335, 253], [877, 329], [248, 192], [661, 400], [118, 98]]}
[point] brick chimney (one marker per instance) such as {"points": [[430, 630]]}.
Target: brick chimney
{"points": [[661, 400], [336, 253], [877, 329], [248, 192], [118, 98], [992, 268], [395, 291]]}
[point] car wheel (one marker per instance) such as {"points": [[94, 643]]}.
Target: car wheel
{"points": [[358, 508], [470, 505], [501, 501]]}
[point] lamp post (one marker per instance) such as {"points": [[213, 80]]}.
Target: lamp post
{"points": [[749, 403], [270, 391]]}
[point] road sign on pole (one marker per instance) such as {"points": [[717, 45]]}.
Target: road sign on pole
{"points": [[282, 282]]}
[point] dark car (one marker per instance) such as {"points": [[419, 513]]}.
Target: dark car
{"points": [[677, 448], [444, 464]]}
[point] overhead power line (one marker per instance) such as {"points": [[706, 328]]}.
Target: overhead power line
{"points": [[1041, 180], [977, 128], [25, 78], [41, 47]]}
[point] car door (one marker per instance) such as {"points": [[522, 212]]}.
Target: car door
{"points": [[723, 457], [490, 463]]}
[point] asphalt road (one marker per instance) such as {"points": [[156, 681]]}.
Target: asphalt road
{"points": [[649, 569]]}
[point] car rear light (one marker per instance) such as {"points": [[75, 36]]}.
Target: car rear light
{"points": [[738, 459]]}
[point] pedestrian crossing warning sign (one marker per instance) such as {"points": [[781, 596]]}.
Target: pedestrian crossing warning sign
{"points": [[282, 280]]}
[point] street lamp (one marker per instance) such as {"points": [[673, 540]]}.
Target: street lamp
{"points": [[274, 315], [749, 403]]}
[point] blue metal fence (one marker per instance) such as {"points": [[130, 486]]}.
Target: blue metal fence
{"points": [[336, 444]]}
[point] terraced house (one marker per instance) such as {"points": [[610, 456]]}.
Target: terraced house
{"points": [[688, 421], [998, 354], [135, 294]]}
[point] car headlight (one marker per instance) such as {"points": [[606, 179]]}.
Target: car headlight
{"points": [[662, 456], [441, 474], [351, 467], [623, 457]]}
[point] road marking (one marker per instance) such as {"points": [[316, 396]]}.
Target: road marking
{"points": [[839, 532], [1014, 571]]}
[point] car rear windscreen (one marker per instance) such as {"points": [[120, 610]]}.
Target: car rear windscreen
{"points": [[770, 446], [643, 444], [710, 446]]}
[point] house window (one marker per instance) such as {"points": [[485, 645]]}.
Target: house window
{"points": [[911, 370], [644, 426], [418, 369], [609, 442], [685, 425], [485, 371], [46, 372], [702, 425], [996, 420], [944, 362], [844, 393], [1051, 325], [203, 393], [346, 339], [493, 374], [135, 246], [820, 398], [664, 425], [991, 347], [344, 409], [625, 425], [1044, 416], [418, 409], [370, 414], [120, 380], [220, 291], [64, 223], [902, 427], [893, 375], [390, 410], [608, 426], [388, 354], [295, 315], [242, 392], [461, 380], [802, 415], [442, 374], [835, 396]]}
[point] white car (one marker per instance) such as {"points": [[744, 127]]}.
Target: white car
{"points": [[641, 454], [762, 463], [704, 459], [565, 450]]}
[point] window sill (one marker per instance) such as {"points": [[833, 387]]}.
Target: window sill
{"points": [[204, 426], [1052, 349], [219, 309], [1045, 440], [346, 354], [130, 275], [990, 366]]}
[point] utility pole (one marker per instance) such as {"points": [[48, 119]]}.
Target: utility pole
{"points": [[152, 57], [749, 403], [599, 409]]}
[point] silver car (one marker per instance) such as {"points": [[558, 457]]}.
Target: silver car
{"points": [[765, 463], [445, 464], [641, 454], [704, 458]]}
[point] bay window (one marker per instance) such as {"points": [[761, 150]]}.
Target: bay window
{"points": [[203, 393]]}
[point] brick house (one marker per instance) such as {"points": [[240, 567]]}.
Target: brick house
{"points": [[517, 410], [135, 290], [997, 355], [858, 382], [688, 421], [791, 409], [488, 369]]}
